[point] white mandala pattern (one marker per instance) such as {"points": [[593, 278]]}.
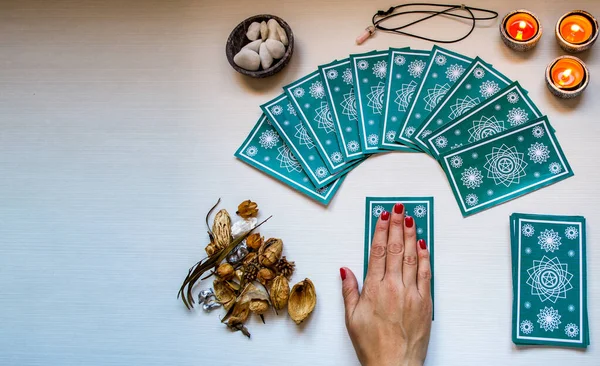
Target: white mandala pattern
{"points": [[485, 127], [317, 90], [571, 232], [276, 110], [303, 137], [353, 146], [416, 68], [434, 95], [399, 60], [347, 77], [321, 172], [299, 92], [287, 160], [549, 240], [362, 64], [526, 327], [268, 139], [555, 168], [479, 73], [375, 97], [378, 210], [512, 97], [549, 279], [471, 199], [462, 105], [349, 105], [440, 60], [324, 119], [549, 319], [420, 211], [453, 72], [291, 109], [505, 165], [390, 136], [251, 150], [488, 88], [372, 139], [404, 95], [572, 330], [538, 132], [409, 131], [380, 69], [517, 116], [456, 161], [538, 153], [528, 230], [332, 74], [472, 178], [441, 142]]}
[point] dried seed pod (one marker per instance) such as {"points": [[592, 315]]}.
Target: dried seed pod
{"points": [[240, 313], [265, 276], [247, 209], [239, 274], [259, 307], [280, 292], [222, 229], [254, 241], [225, 271], [285, 267], [211, 249], [224, 293], [270, 252], [250, 258], [250, 272], [303, 299]]}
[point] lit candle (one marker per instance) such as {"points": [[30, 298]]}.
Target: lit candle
{"points": [[567, 76], [576, 31], [520, 30]]}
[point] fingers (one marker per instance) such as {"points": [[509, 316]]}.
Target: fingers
{"points": [[349, 291], [376, 268], [409, 265], [395, 244], [424, 270]]}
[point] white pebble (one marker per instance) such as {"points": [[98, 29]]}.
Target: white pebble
{"points": [[247, 59], [282, 35], [254, 46], [272, 25], [264, 30], [253, 31], [266, 60], [276, 48]]}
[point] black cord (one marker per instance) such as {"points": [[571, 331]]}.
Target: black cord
{"points": [[383, 15]]}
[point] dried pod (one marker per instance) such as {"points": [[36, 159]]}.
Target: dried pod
{"points": [[303, 299], [284, 267], [247, 209], [240, 313], [222, 229], [239, 274], [224, 293], [270, 252], [280, 292], [250, 272], [250, 258], [225, 271], [211, 249], [254, 241], [265, 276], [259, 307]]}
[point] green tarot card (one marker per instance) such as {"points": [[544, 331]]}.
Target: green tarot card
{"points": [[283, 117], [478, 84], [265, 150], [508, 109], [505, 166], [443, 69], [308, 96], [406, 69], [549, 279], [370, 71], [339, 88]]}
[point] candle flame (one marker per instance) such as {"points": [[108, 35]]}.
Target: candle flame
{"points": [[566, 74], [575, 28], [522, 24]]}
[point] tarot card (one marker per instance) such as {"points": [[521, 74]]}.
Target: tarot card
{"points": [[479, 83], [406, 69], [339, 88], [549, 278], [370, 71], [265, 150], [508, 109], [443, 69], [505, 166]]}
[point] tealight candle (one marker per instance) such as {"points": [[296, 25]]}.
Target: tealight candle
{"points": [[520, 30], [576, 31], [567, 77]]}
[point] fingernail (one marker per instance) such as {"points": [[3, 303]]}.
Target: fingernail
{"points": [[398, 208], [422, 244], [385, 215], [343, 273], [408, 221]]}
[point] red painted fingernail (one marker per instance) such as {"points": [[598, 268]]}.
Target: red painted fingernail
{"points": [[398, 208], [408, 221], [385, 215], [343, 273], [422, 244]]}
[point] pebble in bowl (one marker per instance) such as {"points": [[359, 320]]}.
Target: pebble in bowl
{"points": [[260, 46]]}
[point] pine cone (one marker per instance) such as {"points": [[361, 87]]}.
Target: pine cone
{"points": [[247, 209], [284, 267], [251, 271]]}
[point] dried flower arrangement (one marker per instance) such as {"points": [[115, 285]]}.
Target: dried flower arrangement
{"points": [[251, 275]]}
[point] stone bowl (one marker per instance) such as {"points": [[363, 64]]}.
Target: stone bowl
{"points": [[237, 39]]}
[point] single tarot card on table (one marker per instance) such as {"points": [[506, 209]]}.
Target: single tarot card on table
{"points": [[308, 96], [444, 68], [550, 299], [505, 166], [479, 83], [508, 109], [370, 71], [339, 87], [282, 117], [265, 150], [406, 70]]}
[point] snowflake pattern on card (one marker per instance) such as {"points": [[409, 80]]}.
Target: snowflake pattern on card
{"points": [[287, 160], [416, 68], [291, 109], [454, 72], [440, 60], [512, 97], [251, 150], [353, 146], [472, 178], [517, 116], [378, 210], [571, 330], [478, 73], [420, 211], [303, 137], [462, 105], [349, 105], [317, 90], [363, 64], [471, 199], [380, 69], [336, 157], [505, 165], [456, 161], [299, 92], [409, 131], [324, 119], [571, 233], [538, 153], [555, 168], [372, 140], [488, 88], [538, 132], [549, 319], [549, 279], [526, 327], [404, 95], [399, 60], [485, 127], [331, 74], [441, 142], [268, 139], [528, 230], [375, 98], [276, 110], [549, 240], [347, 77], [390, 136], [321, 172], [435, 95]]}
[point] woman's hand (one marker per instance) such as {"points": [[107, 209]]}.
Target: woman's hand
{"points": [[390, 321]]}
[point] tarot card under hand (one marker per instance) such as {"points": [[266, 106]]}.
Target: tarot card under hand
{"points": [[370, 71], [339, 88], [505, 166], [479, 83], [549, 280], [508, 109], [265, 150], [309, 100], [405, 74], [444, 68]]}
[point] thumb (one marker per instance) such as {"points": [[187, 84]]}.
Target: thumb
{"points": [[349, 291]]}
